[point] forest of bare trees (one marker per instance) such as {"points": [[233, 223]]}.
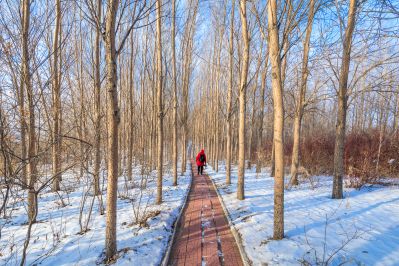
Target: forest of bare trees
{"points": [[99, 87]]}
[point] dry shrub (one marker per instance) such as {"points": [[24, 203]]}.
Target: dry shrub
{"points": [[359, 150], [317, 153], [361, 155], [357, 178], [143, 220]]}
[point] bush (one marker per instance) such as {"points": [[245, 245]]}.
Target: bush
{"points": [[361, 155]]}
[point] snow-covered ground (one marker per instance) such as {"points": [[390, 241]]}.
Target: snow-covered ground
{"points": [[362, 229], [56, 239]]}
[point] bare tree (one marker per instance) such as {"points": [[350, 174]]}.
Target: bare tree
{"points": [[243, 92], [56, 83], [337, 192], [173, 33], [132, 109], [159, 104], [26, 76], [230, 97], [278, 125], [301, 96], [187, 53], [261, 117], [97, 104], [113, 118]]}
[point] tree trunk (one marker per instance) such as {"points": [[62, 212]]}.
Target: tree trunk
{"points": [[301, 98], [184, 107], [218, 74], [252, 127], [261, 115], [159, 104], [216, 158], [22, 123], [56, 133], [283, 69], [97, 106], [339, 149], [132, 109], [174, 144], [82, 124], [187, 50], [273, 160], [113, 118], [230, 97], [142, 124], [382, 128], [32, 160], [243, 90], [121, 116], [395, 121], [278, 125]]}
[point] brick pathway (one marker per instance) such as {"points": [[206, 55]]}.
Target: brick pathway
{"points": [[204, 236]]}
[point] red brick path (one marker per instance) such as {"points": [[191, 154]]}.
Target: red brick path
{"points": [[204, 236]]}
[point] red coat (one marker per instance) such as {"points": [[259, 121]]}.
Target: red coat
{"points": [[197, 159]]}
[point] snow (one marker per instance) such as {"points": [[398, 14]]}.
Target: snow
{"points": [[56, 240], [361, 229]]}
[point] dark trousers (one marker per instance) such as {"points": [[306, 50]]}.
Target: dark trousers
{"points": [[200, 169]]}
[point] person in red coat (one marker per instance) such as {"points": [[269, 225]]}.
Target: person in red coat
{"points": [[201, 161]]}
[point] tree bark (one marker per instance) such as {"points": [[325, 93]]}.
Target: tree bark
{"points": [[339, 149], [22, 123], [113, 118], [32, 160], [230, 97], [159, 104], [132, 110], [261, 116], [278, 125], [97, 106], [252, 123], [243, 90], [82, 117], [187, 47], [395, 125], [56, 133], [174, 93], [301, 98], [218, 81], [273, 160]]}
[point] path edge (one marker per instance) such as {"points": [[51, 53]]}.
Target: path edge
{"points": [[234, 231], [166, 256]]}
